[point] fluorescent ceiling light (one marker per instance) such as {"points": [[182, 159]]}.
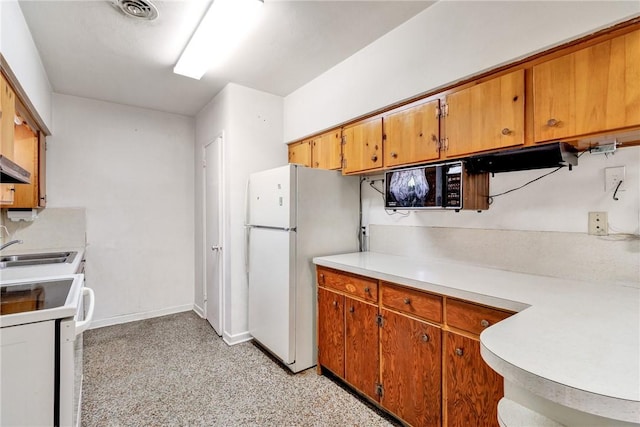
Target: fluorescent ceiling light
{"points": [[222, 28]]}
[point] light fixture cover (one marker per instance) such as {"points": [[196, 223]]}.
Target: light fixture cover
{"points": [[222, 28]]}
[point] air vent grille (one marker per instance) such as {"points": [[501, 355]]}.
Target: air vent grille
{"points": [[139, 9]]}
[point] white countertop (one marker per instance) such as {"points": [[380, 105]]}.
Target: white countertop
{"points": [[42, 271], [575, 343]]}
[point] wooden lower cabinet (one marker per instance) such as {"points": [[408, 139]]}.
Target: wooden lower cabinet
{"points": [[473, 389], [348, 340], [361, 365], [410, 366], [394, 345], [331, 331]]}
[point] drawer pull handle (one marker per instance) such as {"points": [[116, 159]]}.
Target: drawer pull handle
{"points": [[407, 300], [352, 309], [367, 290], [506, 131], [459, 351], [484, 323], [425, 338], [335, 303], [374, 158], [552, 123], [394, 154]]}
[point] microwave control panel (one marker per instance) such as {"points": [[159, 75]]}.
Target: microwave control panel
{"points": [[453, 186]]}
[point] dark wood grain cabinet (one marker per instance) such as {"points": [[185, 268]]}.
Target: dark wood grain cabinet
{"points": [[473, 389], [415, 354], [361, 348], [410, 369], [331, 331]]}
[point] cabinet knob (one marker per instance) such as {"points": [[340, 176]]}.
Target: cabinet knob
{"points": [[394, 155], [459, 351], [552, 122], [352, 309], [506, 131], [374, 158], [407, 300], [367, 290], [425, 338], [322, 278], [484, 323], [335, 303], [317, 164]]}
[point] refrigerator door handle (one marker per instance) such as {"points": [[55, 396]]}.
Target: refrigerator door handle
{"points": [[247, 232]]}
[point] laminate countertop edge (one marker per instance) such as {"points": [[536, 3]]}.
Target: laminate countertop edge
{"points": [[572, 342]]}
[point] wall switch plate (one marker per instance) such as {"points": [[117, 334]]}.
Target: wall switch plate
{"points": [[612, 176], [598, 225]]}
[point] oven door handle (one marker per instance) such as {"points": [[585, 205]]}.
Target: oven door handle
{"points": [[84, 324]]}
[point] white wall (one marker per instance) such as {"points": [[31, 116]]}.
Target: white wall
{"points": [[453, 40], [20, 52], [447, 42], [251, 122], [132, 169]]}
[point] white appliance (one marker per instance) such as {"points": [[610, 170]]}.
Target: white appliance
{"points": [[41, 350], [294, 213]]}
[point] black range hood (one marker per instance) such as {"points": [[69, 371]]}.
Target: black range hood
{"points": [[11, 173], [552, 155]]}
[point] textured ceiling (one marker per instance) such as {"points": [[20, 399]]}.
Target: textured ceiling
{"points": [[91, 49]]}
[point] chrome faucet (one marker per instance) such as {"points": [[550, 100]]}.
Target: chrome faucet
{"points": [[13, 242]]}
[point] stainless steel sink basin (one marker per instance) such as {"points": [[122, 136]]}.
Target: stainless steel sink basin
{"points": [[24, 260]]}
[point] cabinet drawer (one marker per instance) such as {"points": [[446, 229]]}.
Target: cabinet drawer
{"points": [[472, 317], [420, 304], [361, 287]]}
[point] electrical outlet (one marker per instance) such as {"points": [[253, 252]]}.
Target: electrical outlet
{"points": [[612, 176], [598, 225]]}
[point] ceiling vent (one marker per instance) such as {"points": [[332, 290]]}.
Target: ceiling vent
{"points": [[139, 9]]}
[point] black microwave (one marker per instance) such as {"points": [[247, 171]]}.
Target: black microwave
{"points": [[438, 186]]}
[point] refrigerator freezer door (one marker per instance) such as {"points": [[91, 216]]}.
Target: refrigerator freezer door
{"points": [[271, 198], [272, 290]]}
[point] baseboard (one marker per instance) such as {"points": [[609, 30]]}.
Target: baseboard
{"points": [[140, 316], [199, 310], [236, 338]]}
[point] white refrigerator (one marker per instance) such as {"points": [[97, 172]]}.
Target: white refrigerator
{"points": [[294, 213]]}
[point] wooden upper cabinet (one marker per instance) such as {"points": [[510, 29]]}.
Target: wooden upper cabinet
{"points": [[8, 105], [485, 116], [589, 91], [326, 150], [300, 153], [362, 148], [27, 155], [412, 135]]}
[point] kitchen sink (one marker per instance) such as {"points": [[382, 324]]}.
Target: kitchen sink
{"points": [[24, 260]]}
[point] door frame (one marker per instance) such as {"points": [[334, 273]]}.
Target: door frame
{"points": [[222, 229]]}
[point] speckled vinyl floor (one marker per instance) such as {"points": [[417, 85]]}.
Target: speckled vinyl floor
{"points": [[175, 371]]}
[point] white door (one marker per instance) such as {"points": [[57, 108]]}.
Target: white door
{"points": [[270, 198], [272, 290], [213, 233]]}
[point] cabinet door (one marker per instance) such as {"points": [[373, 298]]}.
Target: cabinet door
{"points": [[8, 105], [589, 91], [362, 149], [411, 370], [300, 153], [473, 389], [326, 150], [331, 331], [486, 116], [412, 135], [361, 347], [26, 153]]}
